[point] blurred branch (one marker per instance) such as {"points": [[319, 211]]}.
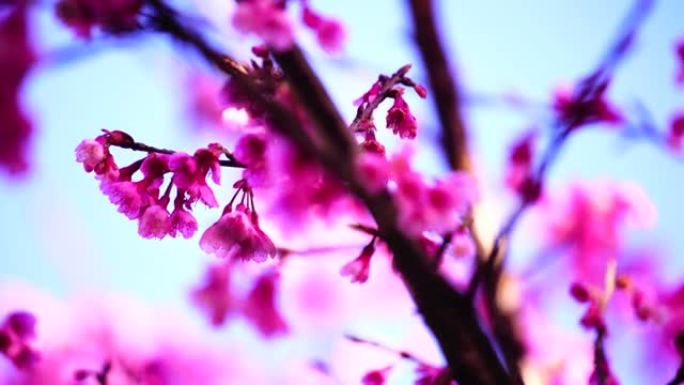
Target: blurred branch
{"points": [[444, 85]]}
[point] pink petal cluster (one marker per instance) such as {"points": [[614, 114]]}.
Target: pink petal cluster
{"points": [[16, 59], [15, 333], [329, 32], [111, 16], [437, 207], [267, 19], [251, 151], [260, 306], [574, 109], [359, 268], [236, 235], [589, 221], [399, 118], [145, 200]]}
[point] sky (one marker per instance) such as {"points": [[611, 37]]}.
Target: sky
{"points": [[59, 233]]}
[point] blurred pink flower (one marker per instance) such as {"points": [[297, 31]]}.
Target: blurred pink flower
{"points": [[267, 19], [260, 306]]}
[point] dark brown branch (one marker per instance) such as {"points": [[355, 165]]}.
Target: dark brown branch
{"points": [[445, 88], [449, 315], [136, 146]]}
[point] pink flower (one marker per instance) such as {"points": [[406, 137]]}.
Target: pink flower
{"points": [[267, 19], [260, 306], [182, 222], [376, 377], [329, 33], [154, 222], [431, 375], [400, 119], [125, 195], [237, 235], [250, 150], [90, 153], [16, 59], [359, 268], [17, 329], [214, 296]]}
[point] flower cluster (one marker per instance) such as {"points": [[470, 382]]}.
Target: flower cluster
{"points": [[399, 117], [16, 59], [15, 333], [438, 207], [143, 200], [111, 16]]}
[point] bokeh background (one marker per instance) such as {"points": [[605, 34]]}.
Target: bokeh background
{"points": [[60, 236]]}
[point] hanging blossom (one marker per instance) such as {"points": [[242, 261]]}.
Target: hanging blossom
{"points": [[400, 119], [267, 19], [260, 306], [432, 375], [16, 59], [329, 32], [439, 206], [144, 200], [214, 296], [111, 16], [359, 268], [237, 235], [575, 109], [15, 333]]}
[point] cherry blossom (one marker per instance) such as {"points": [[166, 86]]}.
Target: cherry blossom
{"points": [[399, 118], [359, 268], [376, 377], [578, 110], [329, 32], [260, 306], [236, 235], [16, 331], [214, 297]]}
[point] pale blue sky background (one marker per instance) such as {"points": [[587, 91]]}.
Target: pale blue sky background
{"points": [[58, 232]]}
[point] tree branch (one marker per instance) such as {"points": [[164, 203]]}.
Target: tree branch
{"points": [[446, 93]]}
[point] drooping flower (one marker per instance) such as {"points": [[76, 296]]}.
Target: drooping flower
{"points": [[519, 166], [15, 333], [399, 118], [373, 169], [359, 268], [154, 222], [260, 306], [214, 297], [236, 235]]}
